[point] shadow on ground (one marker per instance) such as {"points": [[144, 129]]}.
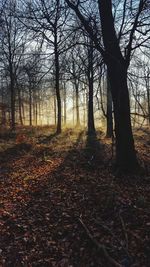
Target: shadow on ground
{"points": [[44, 230], [40, 224], [15, 151], [46, 139]]}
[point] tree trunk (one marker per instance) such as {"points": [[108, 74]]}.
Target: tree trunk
{"points": [[65, 105], [36, 113], [91, 126], [3, 108], [55, 111], [109, 130], [12, 90], [77, 104], [57, 70], [148, 94], [125, 152], [20, 106], [148, 104], [117, 72], [30, 105], [73, 111], [23, 112], [135, 108], [85, 106], [76, 87], [3, 112]]}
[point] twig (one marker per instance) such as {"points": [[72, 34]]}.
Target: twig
{"points": [[100, 247], [124, 230]]}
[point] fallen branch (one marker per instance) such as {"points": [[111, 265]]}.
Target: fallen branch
{"points": [[100, 247]]}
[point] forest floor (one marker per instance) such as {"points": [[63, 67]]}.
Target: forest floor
{"points": [[61, 204]]}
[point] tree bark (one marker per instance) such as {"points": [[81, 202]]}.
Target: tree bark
{"points": [[77, 104], [91, 126], [85, 106], [65, 105], [73, 111], [76, 87], [125, 151], [3, 107], [20, 106], [148, 94], [148, 104], [109, 117], [36, 113], [30, 105], [12, 90], [57, 70], [55, 111]]}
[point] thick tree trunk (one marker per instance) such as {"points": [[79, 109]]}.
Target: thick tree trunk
{"points": [[117, 72], [91, 126], [125, 151], [109, 129]]}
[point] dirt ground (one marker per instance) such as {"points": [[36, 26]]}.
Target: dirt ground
{"points": [[62, 205]]}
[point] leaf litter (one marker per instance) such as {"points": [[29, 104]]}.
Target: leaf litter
{"points": [[61, 202]]}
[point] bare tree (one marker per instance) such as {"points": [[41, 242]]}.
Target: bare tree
{"points": [[47, 19], [117, 64], [13, 41]]}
